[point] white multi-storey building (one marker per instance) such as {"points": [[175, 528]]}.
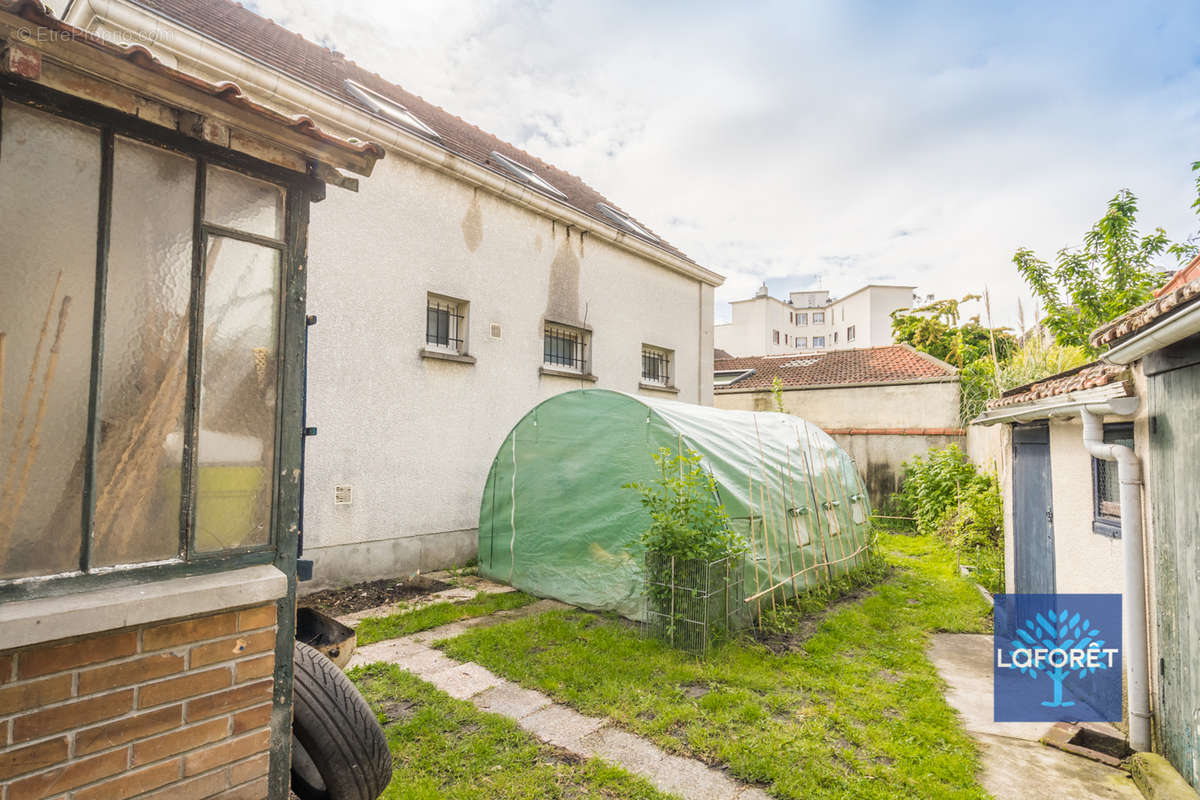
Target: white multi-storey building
{"points": [[763, 325]]}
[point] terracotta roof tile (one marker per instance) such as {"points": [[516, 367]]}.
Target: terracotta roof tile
{"points": [[1167, 303], [1086, 377], [897, 363], [242, 30]]}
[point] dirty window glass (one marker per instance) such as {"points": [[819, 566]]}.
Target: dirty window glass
{"points": [[144, 364], [243, 203], [49, 195], [235, 452]]}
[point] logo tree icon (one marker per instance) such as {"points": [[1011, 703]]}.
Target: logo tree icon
{"points": [[1048, 644]]}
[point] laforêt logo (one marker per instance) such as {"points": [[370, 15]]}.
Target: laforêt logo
{"points": [[1057, 658]]}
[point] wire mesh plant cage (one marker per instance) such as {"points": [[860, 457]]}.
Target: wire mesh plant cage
{"points": [[692, 603]]}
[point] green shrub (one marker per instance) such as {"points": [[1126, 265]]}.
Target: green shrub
{"points": [[686, 521], [932, 484]]}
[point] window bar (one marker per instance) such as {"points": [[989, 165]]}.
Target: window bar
{"points": [[443, 316], [103, 236], [191, 426]]}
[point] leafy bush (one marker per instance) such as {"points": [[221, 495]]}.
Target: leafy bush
{"points": [[686, 521], [932, 484]]}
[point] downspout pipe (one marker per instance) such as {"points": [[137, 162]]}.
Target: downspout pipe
{"points": [[1133, 600]]}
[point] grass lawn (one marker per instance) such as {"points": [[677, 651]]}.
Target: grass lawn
{"points": [[375, 629], [446, 748], [856, 711]]}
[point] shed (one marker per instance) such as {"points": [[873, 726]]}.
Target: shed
{"points": [[556, 522]]}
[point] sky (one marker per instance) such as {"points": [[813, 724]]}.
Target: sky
{"points": [[813, 144]]}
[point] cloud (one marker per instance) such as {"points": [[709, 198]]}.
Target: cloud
{"points": [[917, 143]]}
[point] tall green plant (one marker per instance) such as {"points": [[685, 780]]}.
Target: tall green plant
{"points": [[932, 484], [686, 520], [1113, 271]]}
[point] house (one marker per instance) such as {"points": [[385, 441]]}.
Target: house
{"points": [[883, 405], [811, 320], [1098, 474], [466, 282], [151, 363]]}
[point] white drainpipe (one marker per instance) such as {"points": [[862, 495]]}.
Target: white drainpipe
{"points": [[1133, 600]]}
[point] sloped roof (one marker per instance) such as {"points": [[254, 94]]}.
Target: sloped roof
{"points": [[37, 13], [240, 29], [898, 363], [1182, 291], [1088, 376]]}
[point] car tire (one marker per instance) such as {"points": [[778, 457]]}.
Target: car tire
{"points": [[339, 752]]}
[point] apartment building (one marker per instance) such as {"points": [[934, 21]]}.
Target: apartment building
{"points": [[812, 320]]}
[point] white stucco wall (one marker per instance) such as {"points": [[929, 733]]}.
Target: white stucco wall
{"points": [[898, 405], [1084, 562], [414, 437]]}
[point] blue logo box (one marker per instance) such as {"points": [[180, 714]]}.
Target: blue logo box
{"points": [[1057, 658]]}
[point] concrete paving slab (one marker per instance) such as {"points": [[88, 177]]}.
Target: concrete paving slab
{"points": [[463, 681], [692, 779], [1014, 769], [390, 650], [1015, 765], [424, 662], [964, 660], [627, 750], [563, 727], [511, 700]]}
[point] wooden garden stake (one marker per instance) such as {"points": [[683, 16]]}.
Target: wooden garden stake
{"points": [[35, 436], [13, 456], [812, 489], [753, 549]]}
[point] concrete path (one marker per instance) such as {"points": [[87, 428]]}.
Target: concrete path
{"points": [[1016, 766], [551, 722]]}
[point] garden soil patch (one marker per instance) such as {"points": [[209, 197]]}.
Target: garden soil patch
{"points": [[361, 596]]}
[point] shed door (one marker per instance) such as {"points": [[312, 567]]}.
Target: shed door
{"points": [[1033, 515], [1174, 507]]}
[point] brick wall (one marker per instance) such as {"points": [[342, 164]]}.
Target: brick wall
{"points": [[177, 710]]}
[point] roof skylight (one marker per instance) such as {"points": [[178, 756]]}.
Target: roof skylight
{"points": [[623, 221], [389, 109], [728, 377], [525, 174]]}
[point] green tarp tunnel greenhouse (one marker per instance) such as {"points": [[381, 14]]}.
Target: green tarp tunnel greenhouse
{"points": [[556, 522]]}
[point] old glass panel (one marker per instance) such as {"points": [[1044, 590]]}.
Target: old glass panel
{"points": [[237, 395], [246, 204], [49, 196], [144, 367]]}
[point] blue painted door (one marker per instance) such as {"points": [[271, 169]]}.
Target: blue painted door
{"points": [[1033, 511]]}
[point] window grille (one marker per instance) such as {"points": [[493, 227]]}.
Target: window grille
{"points": [[444, 323], [802, 319], [801, 341], [818, 318], [656, 366], [818, 341], [1106, 489], [565, 347]]}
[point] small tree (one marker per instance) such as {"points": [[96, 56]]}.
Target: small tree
{"points": [[1113, 271], [686, 520], [936, 329]]}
